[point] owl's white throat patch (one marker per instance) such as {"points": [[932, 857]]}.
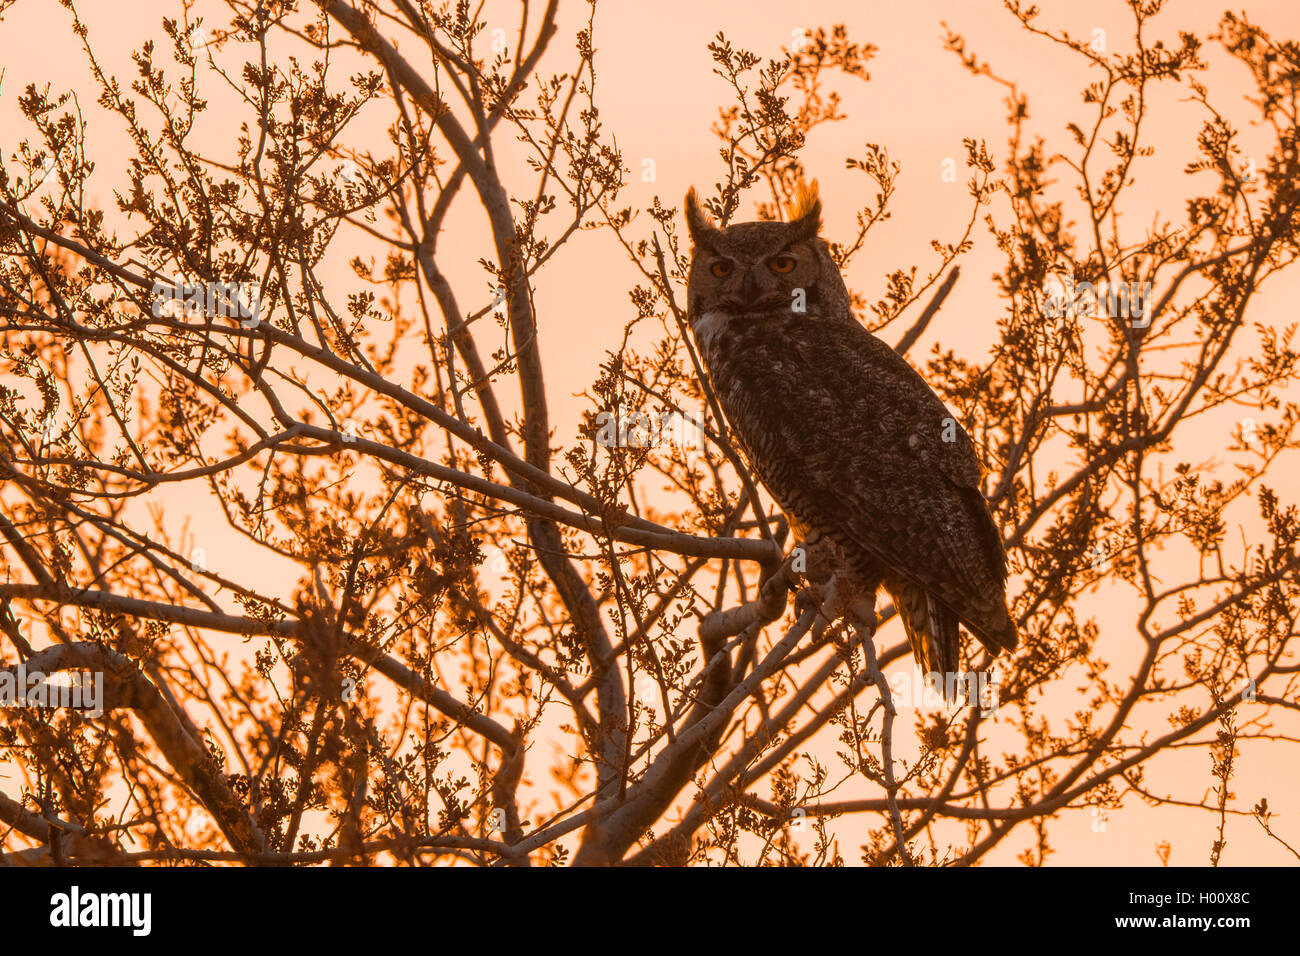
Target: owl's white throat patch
{"points": [[709, 326]]}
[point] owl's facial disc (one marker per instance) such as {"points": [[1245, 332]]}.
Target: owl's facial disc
{"points": [[766, 282]]}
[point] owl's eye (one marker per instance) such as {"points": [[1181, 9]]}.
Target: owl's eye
{"points": [[781, 264], [721, 267]]}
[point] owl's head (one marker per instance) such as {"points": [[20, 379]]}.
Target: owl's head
{"points": [[763, 268]]}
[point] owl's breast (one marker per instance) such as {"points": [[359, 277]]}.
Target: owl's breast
{"points": [[768, 393], [709, 329], [743, 351]]}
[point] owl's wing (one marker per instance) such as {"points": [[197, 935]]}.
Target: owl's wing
{"points": [[883, 466]]}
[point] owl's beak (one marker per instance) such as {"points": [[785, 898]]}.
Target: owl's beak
{"points": [[749, 298], [761, 303]]}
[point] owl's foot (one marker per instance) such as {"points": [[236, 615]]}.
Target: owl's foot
{"points": [[840, 598], [810, 596], [829, 598], [862, 614]]}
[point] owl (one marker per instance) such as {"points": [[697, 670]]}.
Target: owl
{"points": [[849, 440]]}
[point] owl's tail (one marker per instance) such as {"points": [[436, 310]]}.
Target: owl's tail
{"points": [[933, 631]]}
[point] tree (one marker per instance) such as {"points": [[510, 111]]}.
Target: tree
{"points": [[437, 629]]}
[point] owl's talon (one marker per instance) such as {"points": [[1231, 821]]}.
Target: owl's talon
{"points": [[811, 595]]}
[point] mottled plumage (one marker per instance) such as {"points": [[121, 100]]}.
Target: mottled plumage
{"points": [[846, 436]]}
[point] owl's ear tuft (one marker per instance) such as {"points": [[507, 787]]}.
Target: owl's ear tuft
{"points": [[701, 227], [806, 211]]}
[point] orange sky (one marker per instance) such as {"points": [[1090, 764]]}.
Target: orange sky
{"points": [[658, 95]]}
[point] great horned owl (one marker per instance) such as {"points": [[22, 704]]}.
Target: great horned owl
{"points": [[849, 440]]}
